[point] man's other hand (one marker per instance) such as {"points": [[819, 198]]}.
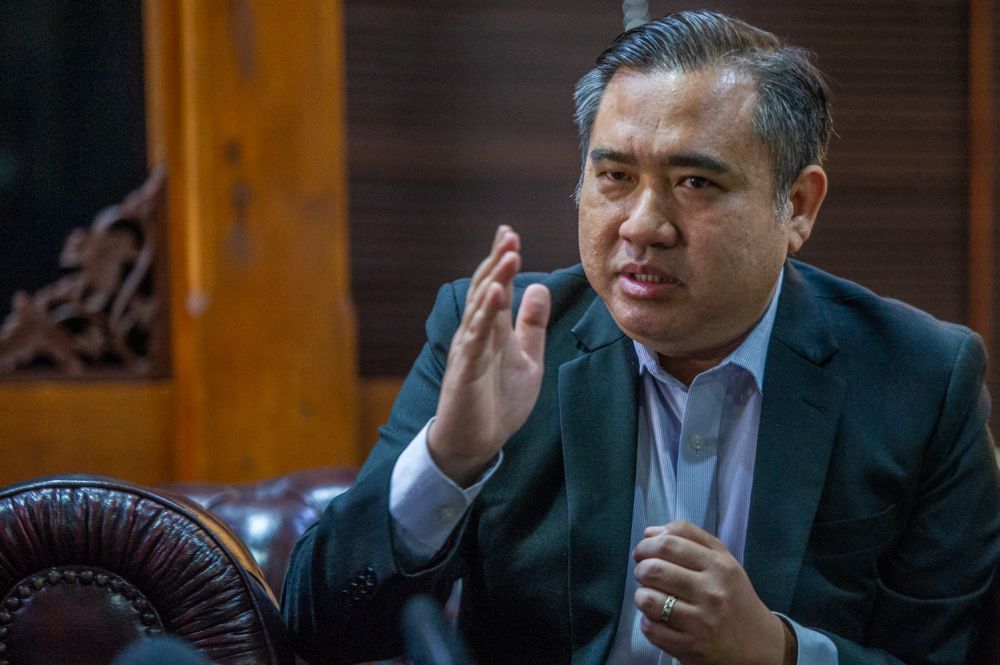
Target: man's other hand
{"points": [[494, 368], [717, 617]]}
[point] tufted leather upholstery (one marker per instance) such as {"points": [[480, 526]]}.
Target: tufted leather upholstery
{"points": [[88, 564], [270, 515]]}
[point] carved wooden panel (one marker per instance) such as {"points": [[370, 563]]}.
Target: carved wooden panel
{"points": [[105, 317]]}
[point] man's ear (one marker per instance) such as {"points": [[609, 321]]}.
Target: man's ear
{"points": [[805, 197]]}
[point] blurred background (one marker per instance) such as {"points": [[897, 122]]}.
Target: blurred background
{"points": [[291, 181]]}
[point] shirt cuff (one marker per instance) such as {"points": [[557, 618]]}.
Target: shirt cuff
{"points": [[815, 648], [425, 504]]}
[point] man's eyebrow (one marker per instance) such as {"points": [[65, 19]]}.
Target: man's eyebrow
{"points": [[606, 155], [693, 160], [699, 161]]}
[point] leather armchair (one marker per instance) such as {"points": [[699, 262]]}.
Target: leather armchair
{"points": [[90, 564]]}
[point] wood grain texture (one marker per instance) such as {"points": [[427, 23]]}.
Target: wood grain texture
{"points": [[264, 339], [122, 429]]}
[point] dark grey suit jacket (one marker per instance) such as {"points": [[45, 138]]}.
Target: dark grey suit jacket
{"points": [[874, 513]]}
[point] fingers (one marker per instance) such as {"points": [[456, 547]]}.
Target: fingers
{"points": [[496, 270], [685, 529], [659, 540], [668, 637], [532, 319], [488, 305], [487, 302], [670, 560], [505, 241], [675, 548], [717, 616], [651, 602], [668, 577], [726, 632], [486, 322]]}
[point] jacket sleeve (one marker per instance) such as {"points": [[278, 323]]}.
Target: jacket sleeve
{"points": [[344, 590], [931, 587]]}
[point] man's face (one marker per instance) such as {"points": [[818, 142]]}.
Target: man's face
{"points": [[678, 232]]}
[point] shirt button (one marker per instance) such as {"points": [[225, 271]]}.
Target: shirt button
{"points": [[446, 513], [697, 442]]}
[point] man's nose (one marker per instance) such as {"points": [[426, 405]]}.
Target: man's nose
{"points": [[650, 221]]}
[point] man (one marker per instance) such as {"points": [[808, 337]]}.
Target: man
{"points": [[691, 446]]}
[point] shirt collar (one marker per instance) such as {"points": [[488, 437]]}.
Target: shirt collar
{"points": [[750, 354]]}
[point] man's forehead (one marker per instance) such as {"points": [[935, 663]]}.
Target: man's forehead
{"points": [[712, 102], [713, 83]]}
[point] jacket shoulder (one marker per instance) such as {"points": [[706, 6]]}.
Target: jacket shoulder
{"points": [[870, 323]]}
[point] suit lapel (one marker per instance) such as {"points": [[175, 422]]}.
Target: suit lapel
{"points": [[799, 414], [597, 402]]}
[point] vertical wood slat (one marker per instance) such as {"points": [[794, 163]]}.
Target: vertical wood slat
{"points": [[161, 29], [248, 113], [982, 170]]}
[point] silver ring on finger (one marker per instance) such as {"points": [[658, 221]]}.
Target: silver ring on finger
{"points": [[668, 607]]}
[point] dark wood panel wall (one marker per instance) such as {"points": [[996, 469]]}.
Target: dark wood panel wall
{"points": [[459, 118], [985, 55], [982, 168]]}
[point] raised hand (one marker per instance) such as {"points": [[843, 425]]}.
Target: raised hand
{"points": [[494, 369], [717, 617]]}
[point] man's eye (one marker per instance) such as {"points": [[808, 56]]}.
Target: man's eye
{"points": [[696, 182], [616, 175]]}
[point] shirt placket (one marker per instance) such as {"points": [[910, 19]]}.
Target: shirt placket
{"points": [[697, 464]]}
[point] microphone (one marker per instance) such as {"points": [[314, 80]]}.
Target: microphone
{"points": [[163, 650], [428, 637]]}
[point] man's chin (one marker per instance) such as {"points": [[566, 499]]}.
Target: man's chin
{"points": [[659, 338], [671, 341]]}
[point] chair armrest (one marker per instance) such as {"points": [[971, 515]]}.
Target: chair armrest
{"points": [[88, 564]]}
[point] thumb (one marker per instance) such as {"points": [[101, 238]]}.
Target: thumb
{"points": [[532, 318]]}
